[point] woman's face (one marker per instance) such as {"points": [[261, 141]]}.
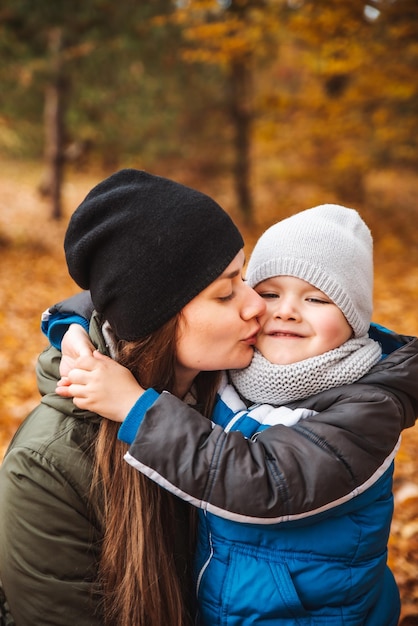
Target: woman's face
{"points": [[218, 328]]}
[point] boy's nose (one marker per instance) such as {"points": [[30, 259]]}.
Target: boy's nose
{"points": [[286, 310]]}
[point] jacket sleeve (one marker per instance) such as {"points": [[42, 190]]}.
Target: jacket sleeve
{"points": [[75, 310], [47, 561], [249, 422], [80, 304], [283, 472]]}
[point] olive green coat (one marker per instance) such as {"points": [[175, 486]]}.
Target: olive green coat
{"points": [[50, 528]]}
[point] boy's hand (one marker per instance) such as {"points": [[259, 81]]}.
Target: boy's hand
{"points": [[101, 385], [75, 344]]}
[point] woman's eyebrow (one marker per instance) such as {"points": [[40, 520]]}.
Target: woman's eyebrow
{"points": [[231, 274]]}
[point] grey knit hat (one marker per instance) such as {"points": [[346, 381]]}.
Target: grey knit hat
{"points": [[331, 248], [145, 246]]}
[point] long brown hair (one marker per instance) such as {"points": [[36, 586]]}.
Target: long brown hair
{"points": [[143, 581]]}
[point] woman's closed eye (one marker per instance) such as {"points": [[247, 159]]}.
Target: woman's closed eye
{"points": [[227, 298]]}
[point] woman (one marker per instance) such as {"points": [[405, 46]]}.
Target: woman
{"points": [[69, 553]]}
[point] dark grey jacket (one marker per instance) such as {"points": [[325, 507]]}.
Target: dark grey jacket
{"points": [[287, 471]]}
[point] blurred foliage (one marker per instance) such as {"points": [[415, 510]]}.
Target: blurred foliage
{"points": [[329, 94], [331, 88], [113, 61]]}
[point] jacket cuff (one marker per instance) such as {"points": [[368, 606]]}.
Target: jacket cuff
{"points": [[132, 422], [55, 325]]}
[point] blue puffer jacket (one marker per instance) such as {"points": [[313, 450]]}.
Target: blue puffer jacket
{"points": [[329, 568], [325, 568], [332, 571]]}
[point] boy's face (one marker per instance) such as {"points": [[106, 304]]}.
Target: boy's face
{"points": [[300, 321]]}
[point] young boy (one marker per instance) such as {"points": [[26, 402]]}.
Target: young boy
{"points": [[315, 272], [313, 354]]}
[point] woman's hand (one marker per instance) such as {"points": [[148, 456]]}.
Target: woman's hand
{"points": [[101, 385], [75, 344]]}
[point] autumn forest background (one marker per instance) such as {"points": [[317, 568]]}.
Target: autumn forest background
{"points": [[270, 106]]}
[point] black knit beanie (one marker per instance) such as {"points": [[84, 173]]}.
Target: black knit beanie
{"points": [[145, 246]]}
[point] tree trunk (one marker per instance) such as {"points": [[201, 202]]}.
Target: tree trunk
{"points": [[54, 125], [241, 115]]}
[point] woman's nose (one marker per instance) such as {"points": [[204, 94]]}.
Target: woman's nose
{"points": [[254, 304]]}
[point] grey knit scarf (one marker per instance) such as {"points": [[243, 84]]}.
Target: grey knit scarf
{"points": [[267, 383]]}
